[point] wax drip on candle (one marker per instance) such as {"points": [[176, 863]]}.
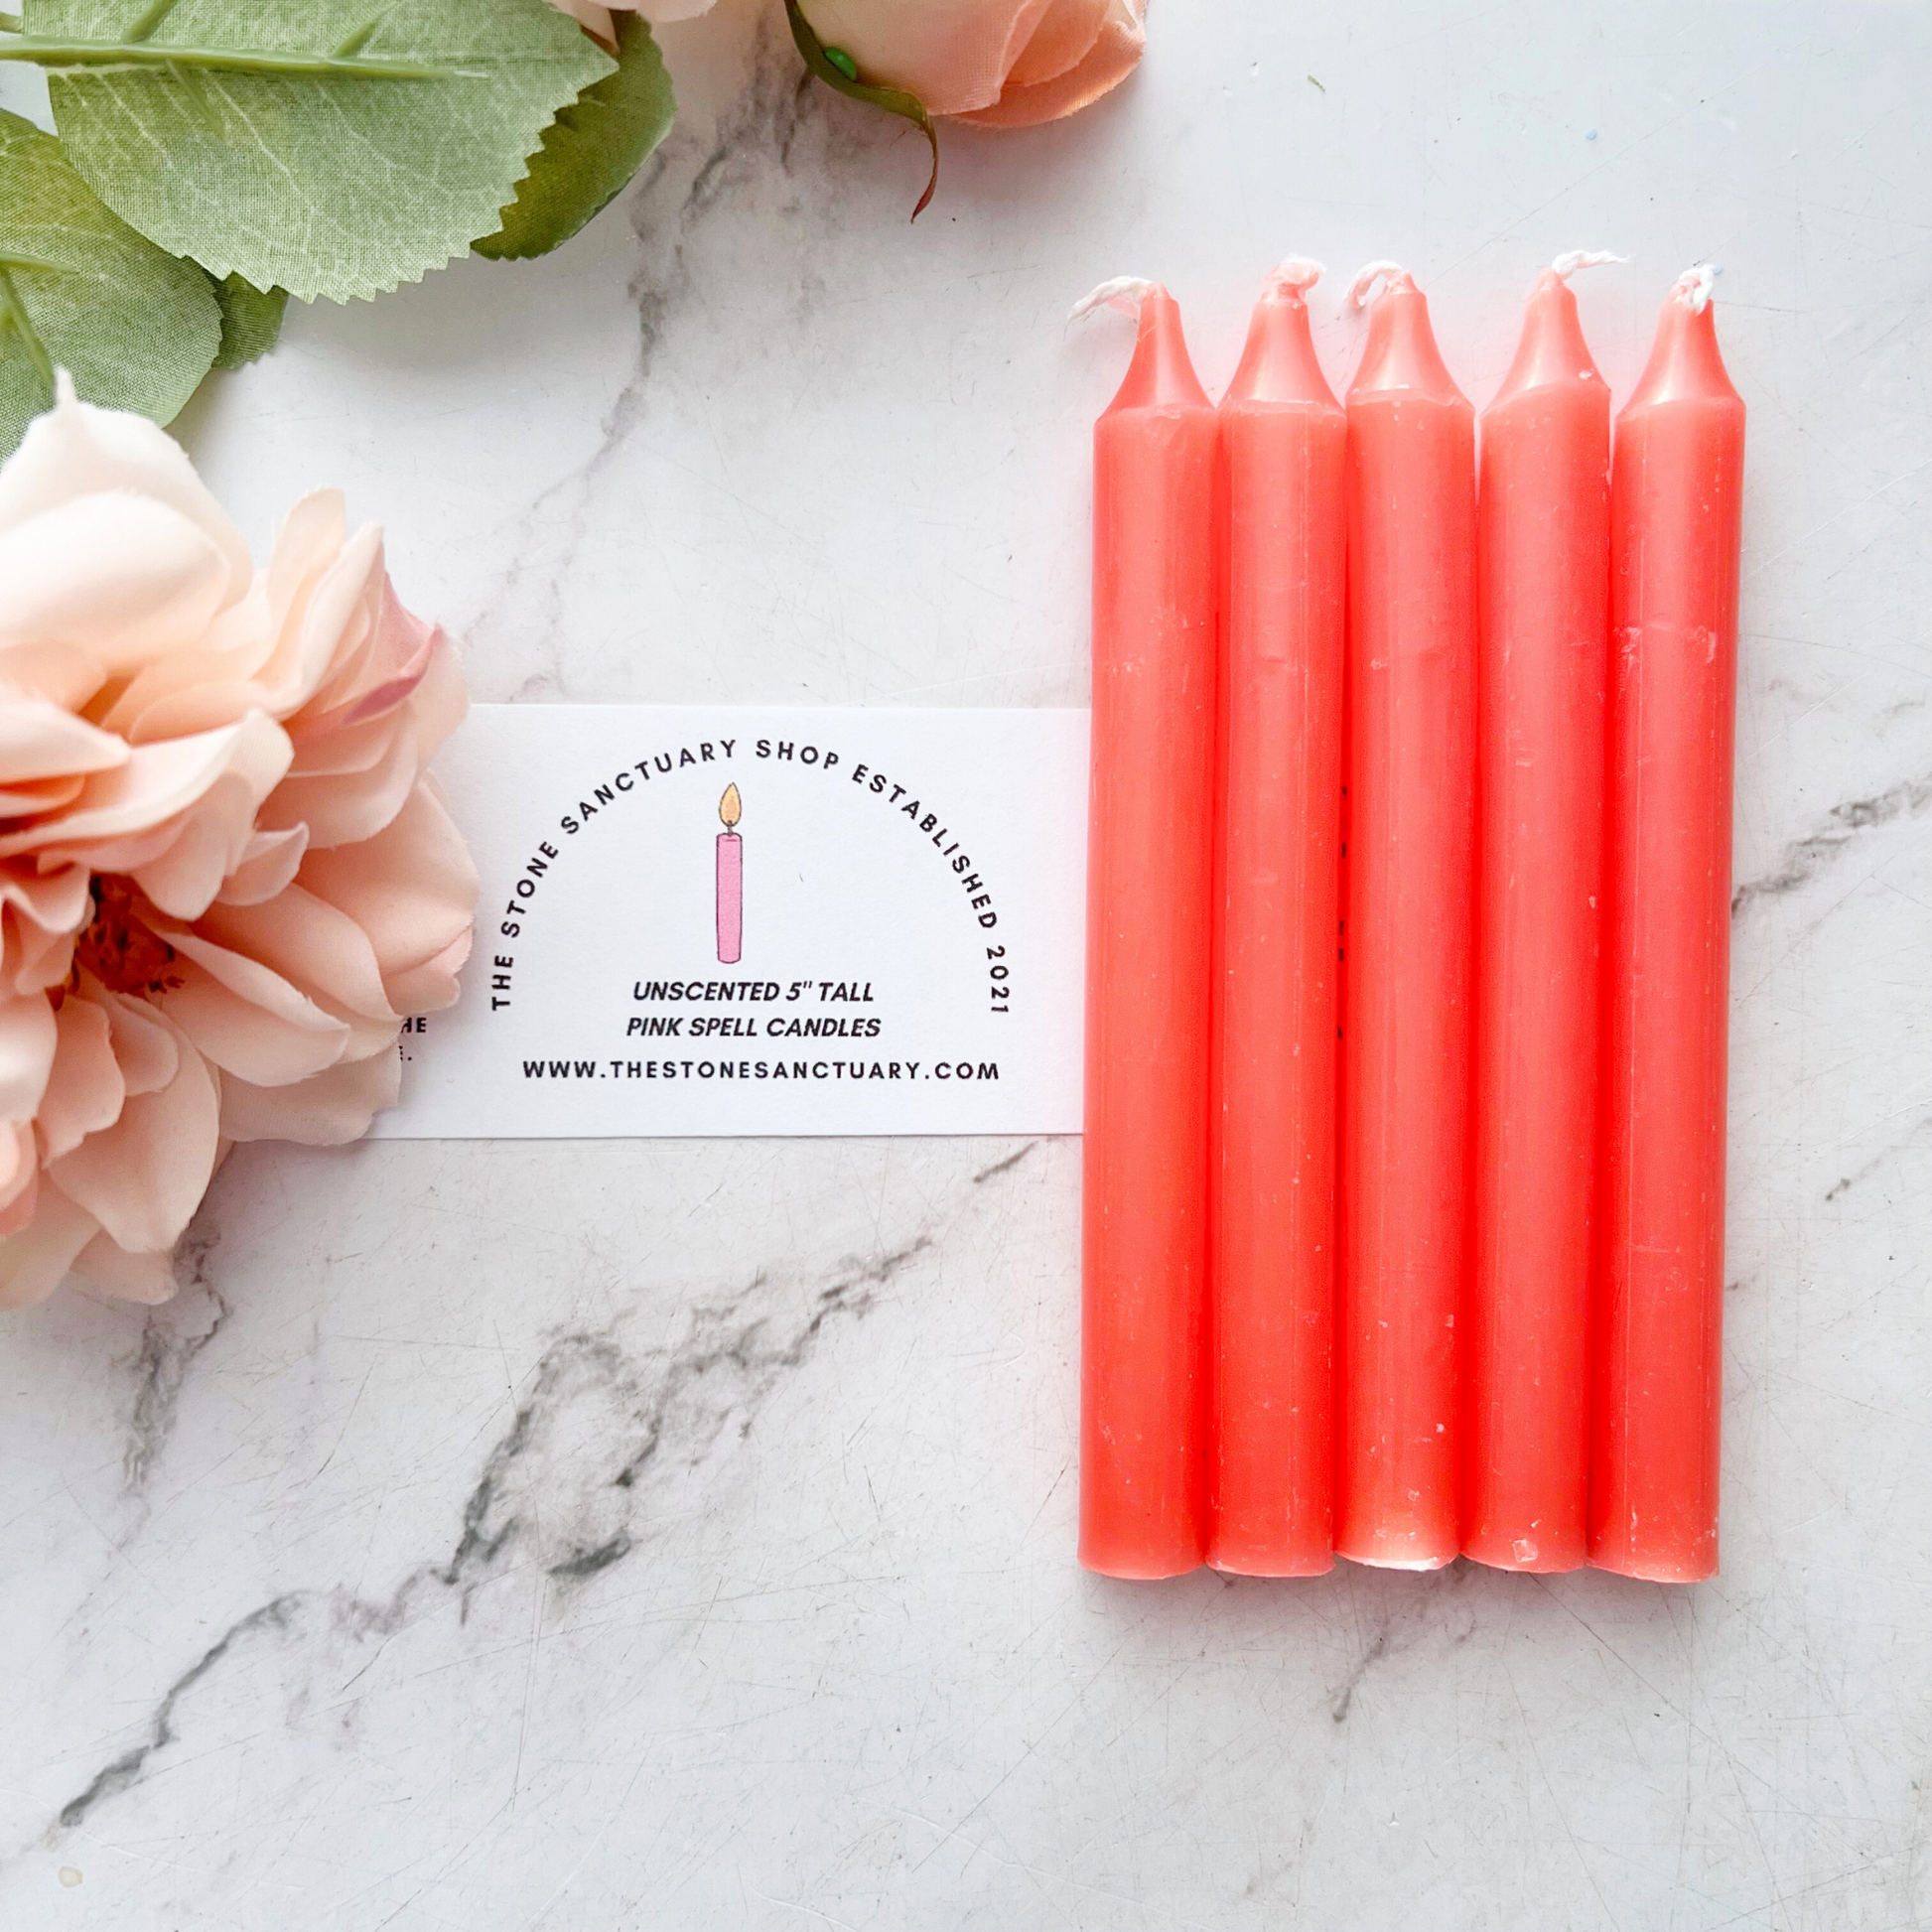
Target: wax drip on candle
{"points": [[1125, 293], [730, 808], [1572, 259], [1695, 286], [1366, 278]]}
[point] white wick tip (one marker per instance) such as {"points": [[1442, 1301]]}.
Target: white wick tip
{"points": [[1694, 285], [1124, 292], [1367, 277], [1296, 276], [1572, 259]]}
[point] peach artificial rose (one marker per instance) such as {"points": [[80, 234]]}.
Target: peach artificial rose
{"points": [[994, 62], [225, 879], [596, 19]]}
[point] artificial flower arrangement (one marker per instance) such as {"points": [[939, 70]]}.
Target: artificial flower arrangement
{"points": [[214, 158]]}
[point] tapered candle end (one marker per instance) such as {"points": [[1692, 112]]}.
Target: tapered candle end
{"points": [[1161, 374], [1685, 365], [1279, 364], [1401, 357], [1552, 350]]}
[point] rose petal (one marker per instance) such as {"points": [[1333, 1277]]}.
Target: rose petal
{"points": [[268, 862], [333, 1108], [441, 701], [184, 880], [39, 740], [955, 54], [1113, 58], [77, 450], [335, 621], [319, 951], [62, 674], [1062, 40], [28, 1035], [85, 1090], [36, 799], [412, 887], [19, 1169], [588, 15], [246, 1017], [144, 1046], [145, 1277], [157, 782], [398, 657], [343, 808], [143, 1177], [432, 985], [119, 575], [35, 1262]]}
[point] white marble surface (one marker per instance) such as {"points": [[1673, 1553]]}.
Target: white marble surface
{"points": [[586, 1537]]}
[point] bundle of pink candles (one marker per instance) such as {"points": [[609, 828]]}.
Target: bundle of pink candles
{"points": [[1408, 949]]}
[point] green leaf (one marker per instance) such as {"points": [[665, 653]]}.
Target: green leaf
{"points": [[590, 151], [250, 321], [330, 147], [839, 71], [82, 290]]}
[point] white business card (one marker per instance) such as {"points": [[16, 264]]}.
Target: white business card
{"points": [[761, 920]]}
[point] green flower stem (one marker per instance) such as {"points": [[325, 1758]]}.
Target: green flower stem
{"points": [[895, 100], [143, 29], [141, 53], [15, 320]]}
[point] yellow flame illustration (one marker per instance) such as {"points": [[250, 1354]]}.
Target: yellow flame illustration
{"points": [[730, 808]]}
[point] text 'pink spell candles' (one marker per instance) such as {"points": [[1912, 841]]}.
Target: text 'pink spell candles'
{"points": [[730, 880]]}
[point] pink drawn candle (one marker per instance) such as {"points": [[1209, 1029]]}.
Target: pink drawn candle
{"points": [[730, 880]]}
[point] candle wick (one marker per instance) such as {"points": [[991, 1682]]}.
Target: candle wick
{"points": [[1367, 277], [1124, 292], [1568, 264], [1695, 284], [1294, 276]]}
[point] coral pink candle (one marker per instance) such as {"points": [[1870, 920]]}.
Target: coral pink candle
{"points": [[1143, 1381], [1411, 487], [731, 880], [1543, 634], [1272, 1248], [1676, 506]]}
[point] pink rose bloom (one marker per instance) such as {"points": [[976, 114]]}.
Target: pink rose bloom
{"points": [[225, 879], [994, 62], [597, 19]]}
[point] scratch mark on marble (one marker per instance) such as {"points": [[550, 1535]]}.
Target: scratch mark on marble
{"points": [[1844, 1183], [1804, 858], [1003, 1166], [1339, 1710]]}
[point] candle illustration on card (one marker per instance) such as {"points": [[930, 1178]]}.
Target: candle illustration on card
{"points": [[730, 879]]}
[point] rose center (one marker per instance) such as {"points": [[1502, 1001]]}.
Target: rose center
{"points": [[117, 948]]}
